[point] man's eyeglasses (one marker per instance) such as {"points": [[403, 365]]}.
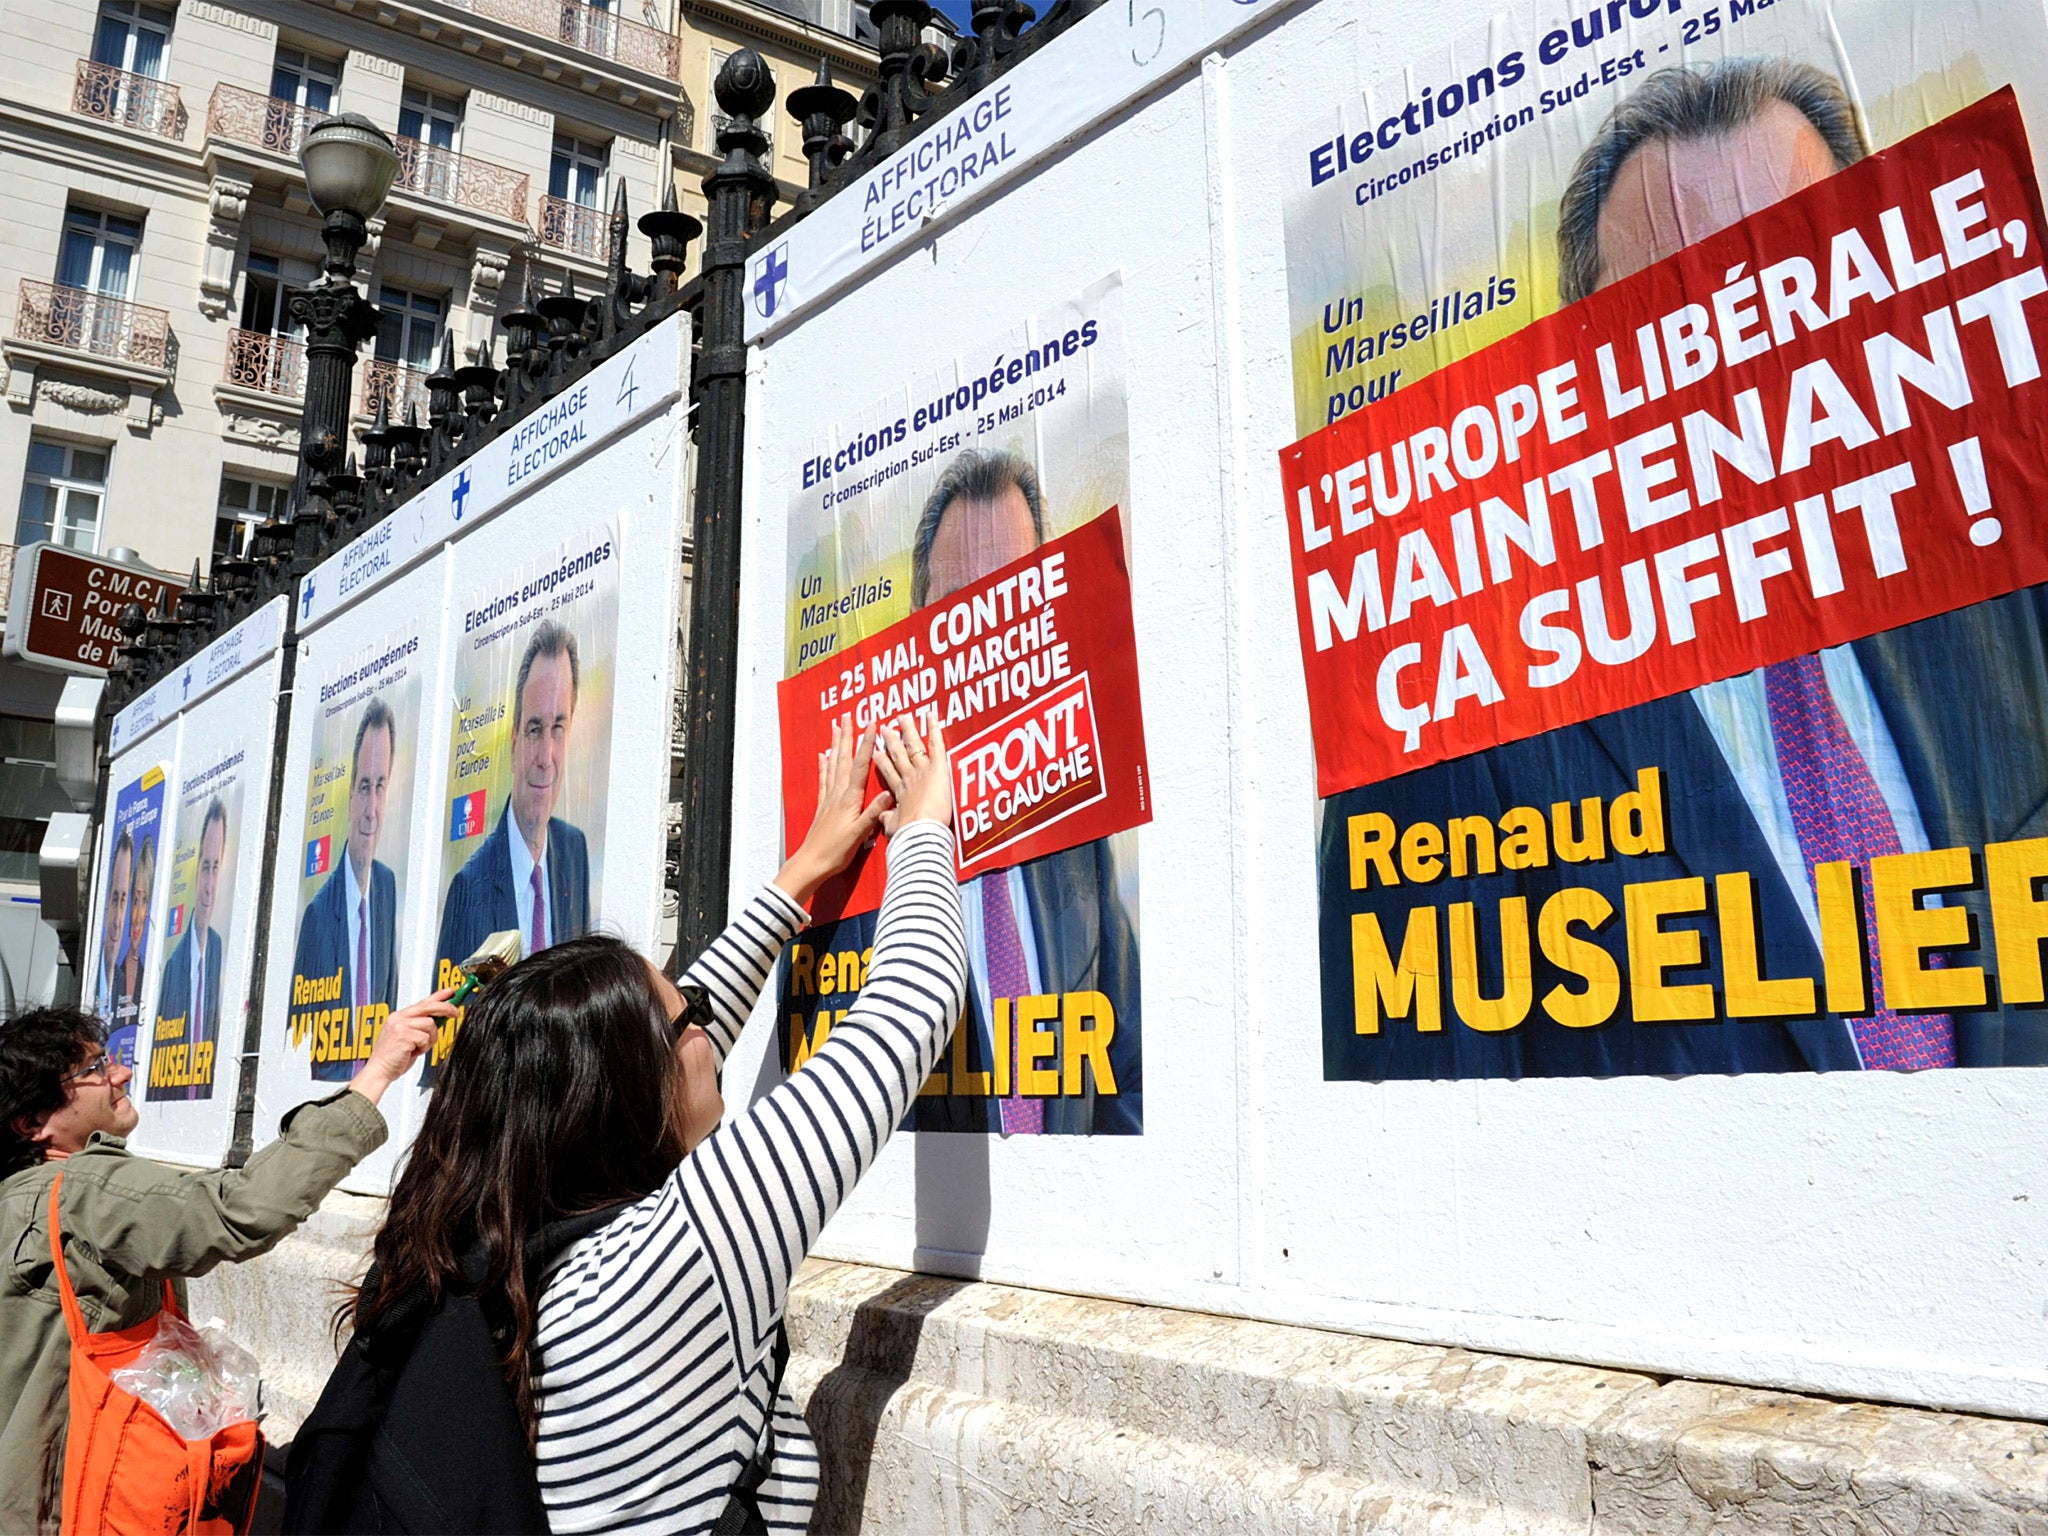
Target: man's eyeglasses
{"points": [[100, 1066]]}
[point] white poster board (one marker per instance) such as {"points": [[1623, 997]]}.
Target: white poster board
{"points": [[554, 554], [208, 727]]}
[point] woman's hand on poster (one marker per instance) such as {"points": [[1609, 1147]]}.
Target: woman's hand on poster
{"points": [[406, 1036], [918, 774], [843, 824]]}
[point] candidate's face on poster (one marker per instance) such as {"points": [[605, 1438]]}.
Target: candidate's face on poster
{"points": [[368, 785], [115, 919], [1671, 191], [213, 842], [976, 536], [540, 743]]}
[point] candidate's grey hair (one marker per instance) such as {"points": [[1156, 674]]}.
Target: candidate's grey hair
{"points": [[1683, 104], [972, 476]]}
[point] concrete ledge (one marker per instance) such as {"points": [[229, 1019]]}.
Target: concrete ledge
{"points": [[953, 1406], [942, 1405]]}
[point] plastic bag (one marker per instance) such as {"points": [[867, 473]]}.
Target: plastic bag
{"points": [[198, 1378]]}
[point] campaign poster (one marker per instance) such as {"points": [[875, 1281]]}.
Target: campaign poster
{"points": [[522, 829], [126, 884], [1666, 552], [961, 548], [200, 981], [346, 960]]}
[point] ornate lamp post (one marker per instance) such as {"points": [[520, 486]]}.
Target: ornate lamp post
{"points": [[349, 165]]}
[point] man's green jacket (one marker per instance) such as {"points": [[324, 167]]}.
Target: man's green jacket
{"points": [[129, 1224]]}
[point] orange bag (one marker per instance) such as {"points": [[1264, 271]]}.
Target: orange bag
{"points": [[126, 1471]]}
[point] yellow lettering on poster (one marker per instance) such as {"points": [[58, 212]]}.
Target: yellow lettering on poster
{"points": [[1906, 931], [1750, 995], [1579, 957], [1087, 1025], [1492, 1015], [1383, 988], [1654, 949], [2013, 873], [1035, 1045], [1845, 966]]}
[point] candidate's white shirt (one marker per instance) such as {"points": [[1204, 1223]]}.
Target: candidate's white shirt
{"points": [[523, 866], [358, 915]]}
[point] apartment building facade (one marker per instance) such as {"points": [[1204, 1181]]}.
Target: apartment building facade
{"points": [[158, 219]]}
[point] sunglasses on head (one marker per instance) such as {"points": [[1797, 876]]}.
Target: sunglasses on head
{"points": [[696, 1010]]}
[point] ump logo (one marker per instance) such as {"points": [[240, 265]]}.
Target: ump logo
{"points": [[306, 597], [188, 682], [771, 284], [460, 493]]}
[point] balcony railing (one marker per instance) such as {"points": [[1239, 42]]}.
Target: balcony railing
{"points": [[396, 385], [263, 122], [571, 227], [447, 177], [83, 321], [128, 100], [276, 365], [588, 29]]}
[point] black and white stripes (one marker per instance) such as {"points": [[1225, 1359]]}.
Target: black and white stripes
{"points": [[653, 1333]]}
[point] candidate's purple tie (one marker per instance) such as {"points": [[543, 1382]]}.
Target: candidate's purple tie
{"points": [[1007, 978], [362, 955], [539, 940], [196, 1030], [1838, 814]]}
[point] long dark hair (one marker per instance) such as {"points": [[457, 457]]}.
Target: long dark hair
{"points": [[554, 1101]]}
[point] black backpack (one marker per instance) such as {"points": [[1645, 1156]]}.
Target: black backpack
{"points": [[417, 1432]]}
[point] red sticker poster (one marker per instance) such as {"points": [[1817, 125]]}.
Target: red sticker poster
{"points": [[1818, 424], [1033, 673]]}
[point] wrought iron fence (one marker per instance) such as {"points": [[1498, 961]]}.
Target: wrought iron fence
{"points": [[265, 122], [572, 227], [394, 386], [589, 29], [275, 365], [99, 323], [128, 100], [447, 177]]}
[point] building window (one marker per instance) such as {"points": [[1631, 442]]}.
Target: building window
{"points": [[577, 170], [305, 80], [245, 505], [719, 119], [133, 36], [431, 119], [98, 253], [408, 327], [29, 792], [267, 282], [61, 495]]}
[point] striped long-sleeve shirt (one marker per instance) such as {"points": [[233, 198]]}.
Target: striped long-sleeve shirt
{"points": [[654, 1333]]}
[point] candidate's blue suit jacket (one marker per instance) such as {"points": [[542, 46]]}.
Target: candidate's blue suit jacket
{"points": [[1085, 943], [174, 1000], [324, 948], [480, 899], [1965, 695]]}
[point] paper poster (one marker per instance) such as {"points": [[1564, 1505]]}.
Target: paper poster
{"points": [[1669, 598], [126, 885], [352, 886], [202, 980], [529, 765], [960, 548]]}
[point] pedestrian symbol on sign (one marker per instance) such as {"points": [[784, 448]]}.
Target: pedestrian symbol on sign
{"points": [[57, 605]]}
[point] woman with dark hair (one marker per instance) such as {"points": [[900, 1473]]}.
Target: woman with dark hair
{"points": [[640, 1362]]}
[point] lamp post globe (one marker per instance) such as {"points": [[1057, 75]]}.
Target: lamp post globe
{"points": [[349, 163]]}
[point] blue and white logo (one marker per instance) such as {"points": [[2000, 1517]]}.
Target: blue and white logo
{"points": [[771, 282], [460, 493], [188, 682], [306, 598]]}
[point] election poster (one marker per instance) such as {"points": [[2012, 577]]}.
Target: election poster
{"points": [[202, 980], [1666, 556], [522, 825], [347, 964], [126, 884], [960, 550]]}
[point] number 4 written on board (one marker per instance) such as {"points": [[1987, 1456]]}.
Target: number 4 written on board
{"points": [[627, 388]]}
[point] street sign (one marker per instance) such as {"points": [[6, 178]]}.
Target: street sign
{"points": [[65, 607]]}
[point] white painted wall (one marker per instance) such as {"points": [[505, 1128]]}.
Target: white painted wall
{"points": [[1864, 1234]]}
